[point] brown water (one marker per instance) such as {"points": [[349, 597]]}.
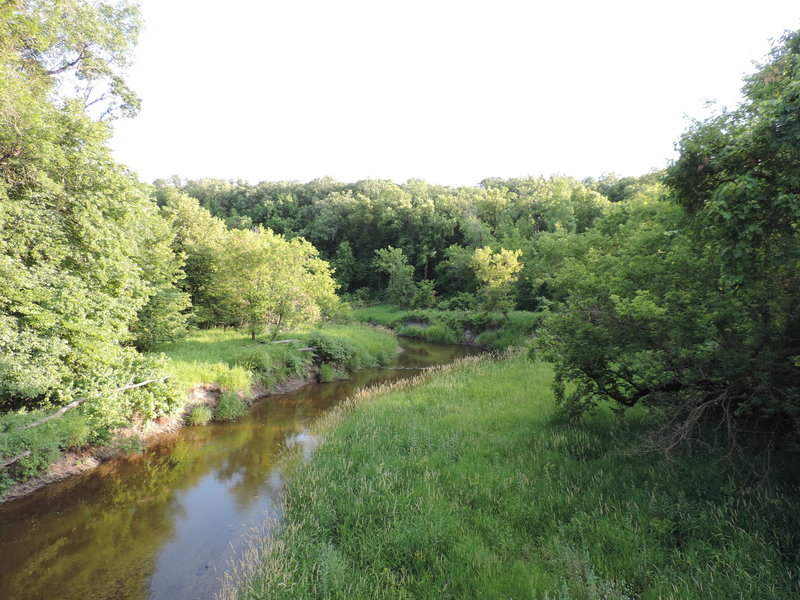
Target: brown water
{"points": [[165, 524]]}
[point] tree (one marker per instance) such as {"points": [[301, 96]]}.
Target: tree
{"points": [[264, 281], [85, 265], [497, 272], [199, 238], [689, 303], [51, 44], [400, 288], [344, 265]]}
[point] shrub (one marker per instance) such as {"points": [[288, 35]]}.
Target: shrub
{"points": [[328, 373], [294, 365], [254, 360], [200, 415], [424, 294], [460, 301], [231, 407], [331, 350]]}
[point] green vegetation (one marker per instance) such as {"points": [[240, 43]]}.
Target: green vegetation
{"points": [[87, 274], [687, 303], [671, 296], [495, 331], [231, 407], [200, 415], [262, 280], [230, 359], [464, 486]]}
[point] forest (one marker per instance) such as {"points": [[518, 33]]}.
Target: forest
{"points": [[674, 292]]}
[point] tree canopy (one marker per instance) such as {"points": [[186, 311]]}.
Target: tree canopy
{"points": [[689, 302]]}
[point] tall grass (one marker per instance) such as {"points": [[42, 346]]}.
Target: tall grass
{"points": [[231, 360], [462, 485]]}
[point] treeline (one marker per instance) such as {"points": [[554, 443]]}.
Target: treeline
{"points": [[92, 272], [370, 229]]}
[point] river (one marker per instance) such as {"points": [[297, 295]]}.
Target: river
{"points": [[166, 523]]}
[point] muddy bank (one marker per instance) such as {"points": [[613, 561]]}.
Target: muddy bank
{"points": [[74, 462]]}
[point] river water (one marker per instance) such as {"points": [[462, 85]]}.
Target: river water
{"points": [[166, 523]]}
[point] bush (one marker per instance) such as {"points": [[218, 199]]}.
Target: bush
{"points": [[254, 360], [231, 407], [200, 415], [331, 350], [424, 294], [297, 364], [328, 373], [460, 301]]}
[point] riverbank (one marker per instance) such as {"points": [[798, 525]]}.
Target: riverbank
{"points": [[165, 523], [462, 485], [215, 363], [491, 331]]}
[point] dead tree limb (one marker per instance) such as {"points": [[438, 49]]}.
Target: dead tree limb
{"points": [[76, 403], [60, 412], [13, 459]]}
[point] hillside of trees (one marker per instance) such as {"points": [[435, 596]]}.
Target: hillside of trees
{"points": [[674, 290]]}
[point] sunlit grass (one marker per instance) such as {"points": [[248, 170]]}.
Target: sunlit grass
{"points": [[230, 359], [465, 487]]}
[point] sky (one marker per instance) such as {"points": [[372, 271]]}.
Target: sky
{"points": [[447, 91]]}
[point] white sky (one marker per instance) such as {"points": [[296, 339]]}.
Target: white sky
{"points": [[447, 91]]}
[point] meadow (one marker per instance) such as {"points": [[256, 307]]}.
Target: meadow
{"points": [[464, 484]]}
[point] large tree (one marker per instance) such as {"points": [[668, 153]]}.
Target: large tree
{"points": [[265, 282], [86, 269], [496, 272], [689, 303]]}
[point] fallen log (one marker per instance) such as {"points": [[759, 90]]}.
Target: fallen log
{"points": [[75, 403], [13, 459], [61, 411]]}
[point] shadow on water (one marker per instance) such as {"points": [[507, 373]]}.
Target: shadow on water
{"points": [[164, 524]]}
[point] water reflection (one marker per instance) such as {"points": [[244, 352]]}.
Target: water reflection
{"points": [[165, 524]]}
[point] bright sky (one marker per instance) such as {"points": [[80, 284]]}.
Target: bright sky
{"points": [[447, 91]]}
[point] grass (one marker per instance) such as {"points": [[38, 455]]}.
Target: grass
{"points": [[490, 330], [231, 407], [200, 415], [229, 358], [463, 486]]}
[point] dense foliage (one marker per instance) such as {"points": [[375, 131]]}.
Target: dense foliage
{"points": [[675, 290], [92, 270], [689, 302], [87, 274], [384, 240]]}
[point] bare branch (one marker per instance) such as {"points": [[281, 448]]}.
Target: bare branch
{"points": [[13, 459], [76, 403]]}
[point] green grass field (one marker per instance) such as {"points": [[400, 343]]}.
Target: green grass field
{"points": [[464, 486], [230, 359], [492, 330]]}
